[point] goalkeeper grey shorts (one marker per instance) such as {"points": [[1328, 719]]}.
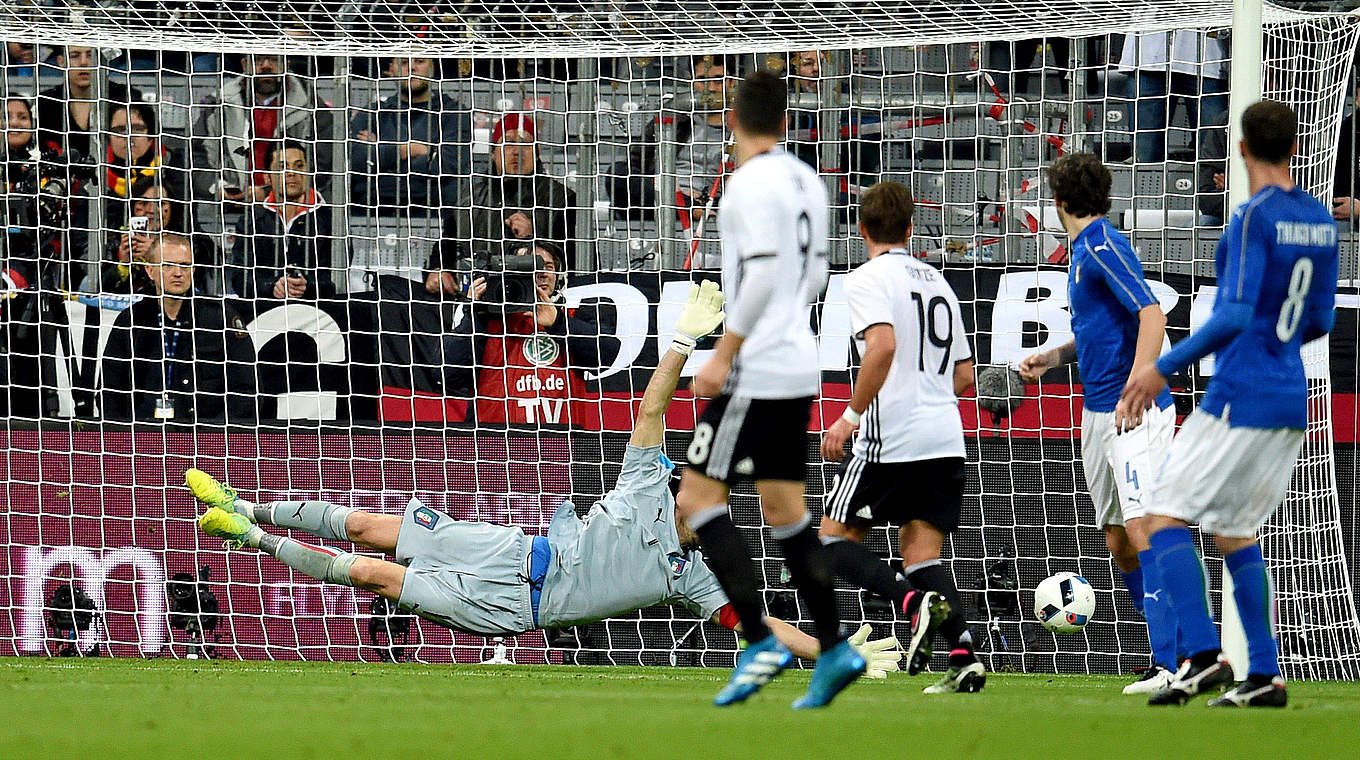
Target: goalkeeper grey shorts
{"points": [[468, 576]]}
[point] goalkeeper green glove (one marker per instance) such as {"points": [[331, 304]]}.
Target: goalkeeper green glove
{"points": [[702, 315], [881, 656]]}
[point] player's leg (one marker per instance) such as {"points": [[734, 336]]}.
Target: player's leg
{"points": [[782, 503], [320, 518], [921, 544], [1262, 484], [322, 563], [702, 504], [1198, 463], [1252, 592], [851, 560]]}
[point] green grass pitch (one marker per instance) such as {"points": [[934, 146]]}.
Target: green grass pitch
{"points": [[108, 709]]}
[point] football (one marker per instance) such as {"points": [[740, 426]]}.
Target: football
{"points": [[1064, 602]]}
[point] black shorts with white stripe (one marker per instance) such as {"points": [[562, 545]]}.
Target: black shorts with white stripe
{"points": [[874, 493], [738, 437]]}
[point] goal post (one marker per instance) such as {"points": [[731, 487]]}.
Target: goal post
{"points": [[358, 389]]}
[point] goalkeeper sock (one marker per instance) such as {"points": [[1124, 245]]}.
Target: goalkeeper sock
{"points": [[316, 561], [321, 519], [1182, 576], [1133, 581], [810, 569], [1161, 621], [854, 562], [1251, 591], [727, 556], [932, 576]]}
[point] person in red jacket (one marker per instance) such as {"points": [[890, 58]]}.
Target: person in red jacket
{"points": [[522, 364]]}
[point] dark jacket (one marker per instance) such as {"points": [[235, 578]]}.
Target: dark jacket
{"points": [[381, 177], [212, 375], [1213, 159], [54, 116], [266, 248], [1347, 171], [477, 223]]}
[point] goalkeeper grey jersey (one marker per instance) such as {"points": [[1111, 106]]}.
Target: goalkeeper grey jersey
{"points": [[625, 554], [773, 220]]}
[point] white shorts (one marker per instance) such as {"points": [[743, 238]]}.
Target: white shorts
{"points": [[1120, 469], [1228, 479]]}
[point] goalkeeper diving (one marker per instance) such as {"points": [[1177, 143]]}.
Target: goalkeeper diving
{"points": [[630, 551]]}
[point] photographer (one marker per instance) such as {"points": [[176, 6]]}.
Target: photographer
{"points": [[517, 358], [33, 179]]}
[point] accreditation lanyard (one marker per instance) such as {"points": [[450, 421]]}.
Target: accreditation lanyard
{"points": [[165, 409]]}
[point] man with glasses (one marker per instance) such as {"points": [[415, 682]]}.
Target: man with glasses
{"points": [[177, 356]]}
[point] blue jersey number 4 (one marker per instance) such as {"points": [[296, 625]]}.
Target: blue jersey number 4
{"points": [[1130, 475]]}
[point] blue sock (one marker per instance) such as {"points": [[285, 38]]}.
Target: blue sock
{"points": [[1133, 581], [1161, 622], [1252, 592], [1182, 577]]}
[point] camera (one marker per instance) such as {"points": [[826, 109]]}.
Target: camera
{"points": [[137, 224], [510, 274]]}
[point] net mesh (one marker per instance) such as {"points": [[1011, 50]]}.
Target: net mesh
{"points": [[370, 383]]}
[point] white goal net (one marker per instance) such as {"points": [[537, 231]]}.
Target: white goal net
{"points": [[339, 173]]}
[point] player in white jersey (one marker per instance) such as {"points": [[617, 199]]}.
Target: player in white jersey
{"points": [[762, 379], [907, 464]]}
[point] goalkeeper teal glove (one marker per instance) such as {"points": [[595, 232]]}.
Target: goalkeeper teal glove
{"points": [[881, 655], [702, 315]]}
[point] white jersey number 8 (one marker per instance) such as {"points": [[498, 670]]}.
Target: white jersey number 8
{"points": [[1291, 311]]}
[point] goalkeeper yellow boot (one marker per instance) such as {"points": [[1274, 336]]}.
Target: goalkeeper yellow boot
{"points": [[229, 525], [206, 489]]}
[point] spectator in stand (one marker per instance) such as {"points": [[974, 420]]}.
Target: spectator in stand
{"points": [[35, 196], [522, 362], [150, 212], [136, 154], [700, 158], [66, 112], [1026, 66], [859, 153], [177, 356], [700, 145], [1168, 68], [517, 201], [1346, 196], [21, 62], [1212, 171], [283, 250], [235, 129], [410, 148]]}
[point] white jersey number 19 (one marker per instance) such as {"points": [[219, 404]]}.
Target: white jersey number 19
{"points": [[925, 311]]}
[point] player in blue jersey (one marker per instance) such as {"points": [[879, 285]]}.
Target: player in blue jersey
{"points": [[1117, 325], [1230, 466]]}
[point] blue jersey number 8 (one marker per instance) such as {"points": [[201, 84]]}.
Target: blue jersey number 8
{"points": [[1291, 311]]}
